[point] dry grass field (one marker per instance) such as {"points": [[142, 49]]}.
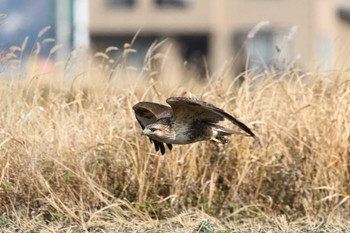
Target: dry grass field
{"points": [[72, 158]]}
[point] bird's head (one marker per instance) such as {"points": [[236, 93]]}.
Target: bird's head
{"points": [[158, 131]]}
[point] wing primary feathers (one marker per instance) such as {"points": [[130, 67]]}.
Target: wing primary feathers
{"points": [[162, 148], [170, 146], [237, 122], [140, 123], [159, 145], [156, 144]]}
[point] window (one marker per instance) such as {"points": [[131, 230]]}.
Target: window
{"points": [[121, 3], [173, 3]]}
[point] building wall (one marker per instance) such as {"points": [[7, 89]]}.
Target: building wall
{"points": [[243, 15], [151, 18], [319, 37]]}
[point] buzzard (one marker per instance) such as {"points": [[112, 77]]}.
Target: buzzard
{"points": [[186, 121]]}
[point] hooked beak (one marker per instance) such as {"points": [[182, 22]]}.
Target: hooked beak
{"points": [[145, 132]]}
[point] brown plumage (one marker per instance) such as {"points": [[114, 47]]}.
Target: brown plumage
{"points": [[186, 121]]}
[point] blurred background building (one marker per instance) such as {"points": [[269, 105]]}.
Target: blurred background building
{"points": [[305, 32], [254, 34]]}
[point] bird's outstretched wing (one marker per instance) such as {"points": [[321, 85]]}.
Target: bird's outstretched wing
{"points": [[187, 109], [148, 113]]}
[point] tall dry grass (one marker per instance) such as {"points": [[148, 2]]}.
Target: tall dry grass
{"points": [[71, 150]]}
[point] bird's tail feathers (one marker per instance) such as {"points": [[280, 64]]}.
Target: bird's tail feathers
{"points": [[222, 131]]}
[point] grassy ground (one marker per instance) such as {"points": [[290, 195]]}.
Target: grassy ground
{"points": [[72, 158], [193, 221]]}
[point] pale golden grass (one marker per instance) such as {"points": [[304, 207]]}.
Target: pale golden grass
{"points": [[72, 158]]}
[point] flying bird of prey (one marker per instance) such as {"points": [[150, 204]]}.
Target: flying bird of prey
{"points": [[186, 121]]}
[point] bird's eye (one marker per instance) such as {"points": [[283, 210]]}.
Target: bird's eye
{"points": [[152, 129]]}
